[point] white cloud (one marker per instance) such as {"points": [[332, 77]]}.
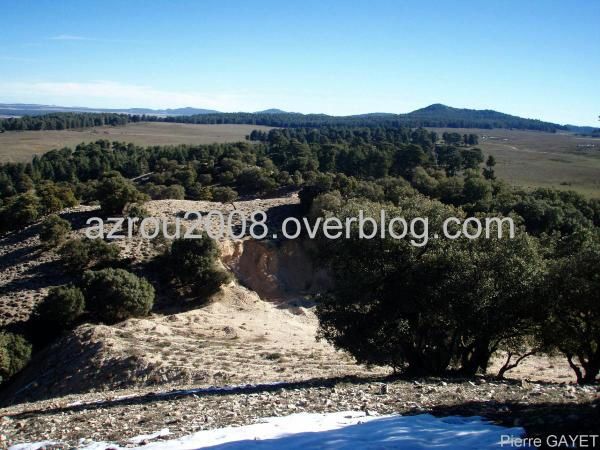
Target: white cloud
{"points": [[111, 94], [69, 37], [74, 37]]}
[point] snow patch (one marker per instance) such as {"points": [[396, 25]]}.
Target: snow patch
{"points": [[149, 437], [346, 430]]}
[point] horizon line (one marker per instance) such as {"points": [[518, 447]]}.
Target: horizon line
{"points": [[283, 111]]}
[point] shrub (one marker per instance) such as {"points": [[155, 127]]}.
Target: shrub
{"points": [[175, 192], [15, 353], [312, 191], [253, 180], [205, 179], [135, 211], [54, 231], [224, 194], [477, 189], [154, 191], [19, 211], [80, 254], [192, 264], [60, 309], [115, 192], [186, 177], [199, 192], [113, 295], [54, 197], [138, 211]]}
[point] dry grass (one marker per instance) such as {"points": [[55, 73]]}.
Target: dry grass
{"points": [[22, 145], [536, 159]]}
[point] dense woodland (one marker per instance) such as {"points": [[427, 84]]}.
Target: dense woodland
{"points": [[440, 309], [365, 120], [65, 121]]}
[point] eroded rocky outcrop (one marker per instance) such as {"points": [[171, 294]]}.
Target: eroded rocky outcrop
{"points": [[275, 270]]}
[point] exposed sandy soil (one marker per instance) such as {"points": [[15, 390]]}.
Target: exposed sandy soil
{"points": [[236, 339]]}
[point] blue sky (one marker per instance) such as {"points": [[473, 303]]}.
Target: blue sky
{"points": [[537, 59]]}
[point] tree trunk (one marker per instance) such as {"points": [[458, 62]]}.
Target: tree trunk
{"points": [[576, 369], [508, 366], [591, 371], [478, 359]]}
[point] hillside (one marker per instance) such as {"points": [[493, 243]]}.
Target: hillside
{"points": [[271, 111], [476, 118], [261, 319], [436, 115], [248, 354]]}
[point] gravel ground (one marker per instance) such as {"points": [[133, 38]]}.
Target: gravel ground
{"points": [[125, 414]]}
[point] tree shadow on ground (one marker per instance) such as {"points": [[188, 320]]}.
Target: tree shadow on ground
{"points": [[43, 275], [78, 219], [20, 254], [154, 397], [539, 420]]}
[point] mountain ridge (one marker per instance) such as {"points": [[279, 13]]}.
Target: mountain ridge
{"points": [[21, 109], [434, 115]]}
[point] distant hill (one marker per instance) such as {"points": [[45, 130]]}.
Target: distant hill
{"points": [[436, 115], [24, 109], [272, 111], [185, 111], [586, 131]]}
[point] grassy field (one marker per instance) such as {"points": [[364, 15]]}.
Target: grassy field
{"points": [[22, 145], [534, 159]]}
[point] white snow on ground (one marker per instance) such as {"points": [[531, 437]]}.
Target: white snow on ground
{"points": [[339, 431], [148, 437]]}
